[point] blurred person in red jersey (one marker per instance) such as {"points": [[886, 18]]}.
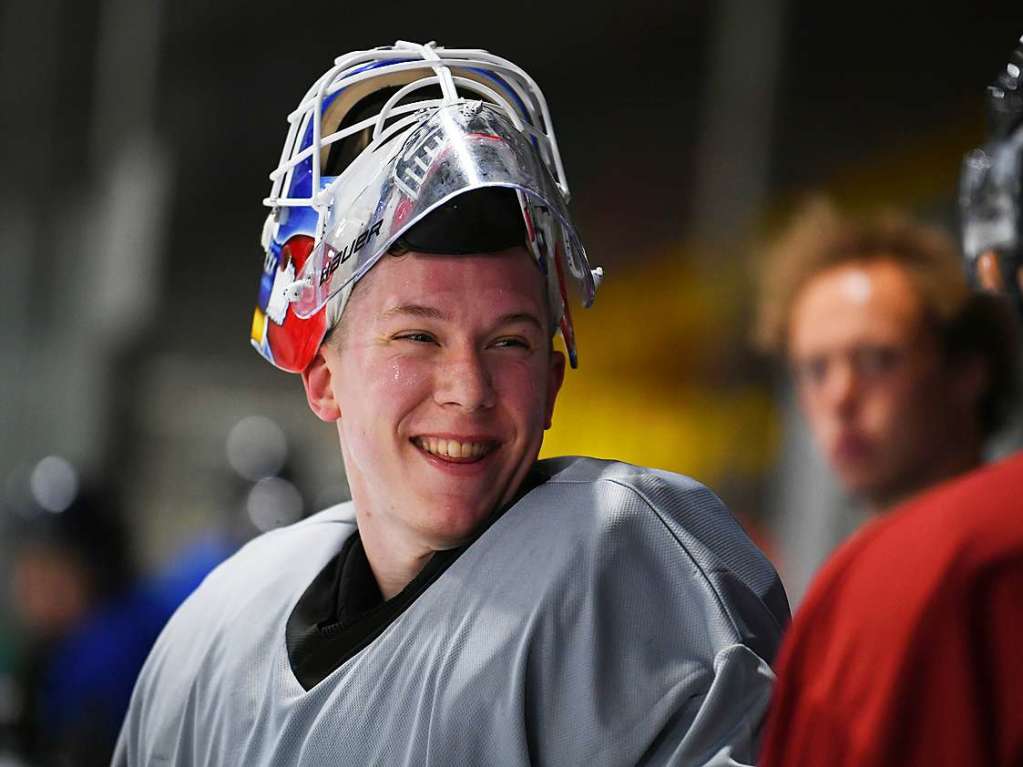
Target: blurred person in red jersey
{"points": [[905, 650], [901, 372]]}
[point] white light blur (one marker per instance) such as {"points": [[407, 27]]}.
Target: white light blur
{"points": [[53, 484], [273, 502], [256, 448]]}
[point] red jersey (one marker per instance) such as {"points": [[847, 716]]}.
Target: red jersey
{"points": [[907, 649]]}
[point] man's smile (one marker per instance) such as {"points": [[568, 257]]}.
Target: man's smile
{"points": [[465, 450]]}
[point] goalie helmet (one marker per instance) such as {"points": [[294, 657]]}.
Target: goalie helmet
{"points": [[991, 184], [391, 146]]}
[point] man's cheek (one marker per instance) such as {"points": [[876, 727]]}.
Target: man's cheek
{"points": [[528, 384], [405, 376]]}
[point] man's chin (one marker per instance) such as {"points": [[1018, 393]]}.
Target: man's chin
{"points": [[868, 488], [450, 522], [856, 479]]}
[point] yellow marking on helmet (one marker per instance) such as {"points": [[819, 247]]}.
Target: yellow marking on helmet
{"points": [[258, 326]]}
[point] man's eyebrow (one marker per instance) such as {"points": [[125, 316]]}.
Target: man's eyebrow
{"points": [[432, 313], [414, 310], [527, 317]]}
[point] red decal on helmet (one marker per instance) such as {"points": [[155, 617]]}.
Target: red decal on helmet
{"points": [[294, 341]]}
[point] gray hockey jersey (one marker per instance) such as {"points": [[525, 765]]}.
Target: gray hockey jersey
{"points": [[615, 615]]}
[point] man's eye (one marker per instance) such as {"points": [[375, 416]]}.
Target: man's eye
{"points": [[511, 343], [876, 360], [811, 371], [420, 338]]}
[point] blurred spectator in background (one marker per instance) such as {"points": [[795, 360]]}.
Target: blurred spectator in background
{"points": [[85, 627], [85, 619], [901, 372], [906, 651]]}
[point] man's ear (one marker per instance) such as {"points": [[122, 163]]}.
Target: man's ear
{"points": [[316, 379], [557, 377]]}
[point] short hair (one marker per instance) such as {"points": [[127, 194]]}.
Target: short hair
{"points": [[966, 323]]}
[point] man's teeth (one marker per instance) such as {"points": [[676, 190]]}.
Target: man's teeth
{"points": [[452, 448]]}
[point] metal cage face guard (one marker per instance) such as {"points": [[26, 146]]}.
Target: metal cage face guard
{"points": [[451, 150], [491, 128]]}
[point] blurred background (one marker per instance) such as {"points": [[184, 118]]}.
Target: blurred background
{"points": [[137, 136]]}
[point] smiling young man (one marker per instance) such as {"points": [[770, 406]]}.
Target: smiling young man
{"points": [[471, 605], [448, 376]]}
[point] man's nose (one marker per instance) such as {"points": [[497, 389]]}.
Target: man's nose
{"points": [[464, 381], [842, 388]]}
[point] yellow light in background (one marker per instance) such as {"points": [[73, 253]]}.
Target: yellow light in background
{"points": [[646, 390], [688, 429]]}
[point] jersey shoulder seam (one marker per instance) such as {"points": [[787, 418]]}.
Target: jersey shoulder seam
{"points": [[737, 634]]}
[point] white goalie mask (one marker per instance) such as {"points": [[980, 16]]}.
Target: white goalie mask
{"points": [[452, 122]]}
